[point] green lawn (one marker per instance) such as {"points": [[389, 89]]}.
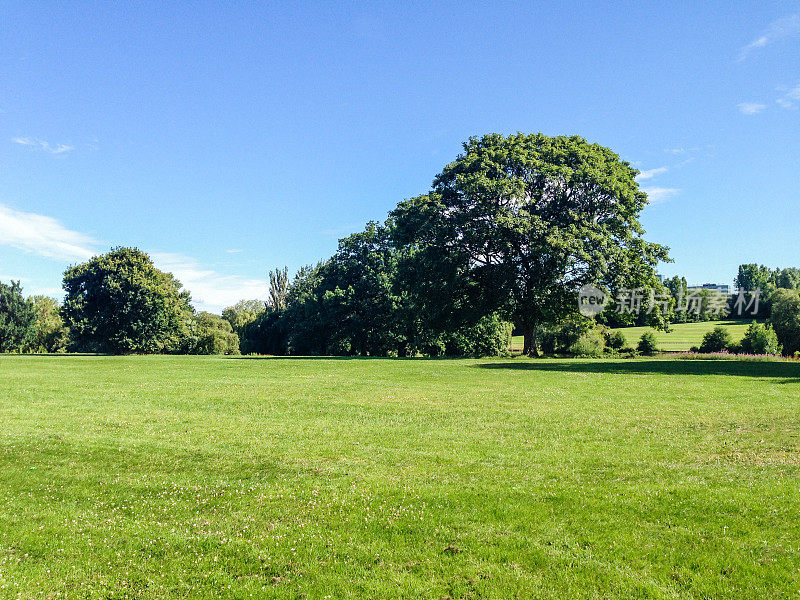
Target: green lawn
{"points": [[199, 477], [682, 337], [685, 335]]}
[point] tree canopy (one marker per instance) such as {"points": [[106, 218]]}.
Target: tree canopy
{"points": [[119, 302], [17, 318], [528, 220]]}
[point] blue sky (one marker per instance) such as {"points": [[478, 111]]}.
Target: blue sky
{"points": [[228, 139]]}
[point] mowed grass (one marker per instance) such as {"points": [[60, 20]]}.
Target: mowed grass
{"points": [[685, 335], [200, 477], [682, 337]]}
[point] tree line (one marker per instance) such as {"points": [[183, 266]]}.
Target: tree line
{"points": [[506, 236]]}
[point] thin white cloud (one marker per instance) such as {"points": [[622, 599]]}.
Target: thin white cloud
{"points": [[659, 194], [234, 251], [211, 290], [675, 150], [43, 145], [790, 99], [777, 30], [750, 108], [650, 173], [43, 235]]}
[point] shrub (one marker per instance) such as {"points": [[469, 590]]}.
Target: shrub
{"points": [[647, 344], [615, 340], [590, 343], [491, 336], [716, 340], [559, 339], [760, 339]]}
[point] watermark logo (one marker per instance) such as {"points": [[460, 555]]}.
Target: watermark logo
{"points": [[591, 300]]}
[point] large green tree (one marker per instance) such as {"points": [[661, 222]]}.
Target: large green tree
{"points": [[121, 303], [17, 318], [528, 220]]}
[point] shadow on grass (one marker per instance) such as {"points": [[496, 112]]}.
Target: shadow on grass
{"points": [[788, 371]]}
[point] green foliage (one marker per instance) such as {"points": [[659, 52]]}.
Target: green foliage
{"points": [[17, 318], [787, 279], [785, 319], [346, 305], [760, 339], [616, 340], [527, 220], [753, 277], [559, 338], [242, 313], [648, 345], [120, 303], [490, 336], [266, 334], [591, 343], [210, 334], [278, 288], [717, 340], [52, 334]]}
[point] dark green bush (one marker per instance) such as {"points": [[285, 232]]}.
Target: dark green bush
{"points": [[716, 340], [647, 344], [616, 340], [760, 339], [590, 343]]}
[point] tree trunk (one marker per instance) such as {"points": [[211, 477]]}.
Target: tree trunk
{"points": [[529, 346]]}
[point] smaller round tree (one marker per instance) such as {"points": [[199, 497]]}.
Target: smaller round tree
{"points": [[760, 339], [648, 344], [121, 303], [716, 340]]}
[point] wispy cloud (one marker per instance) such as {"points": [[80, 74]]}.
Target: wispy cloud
{"points": [[650, 173], [790, 99], [211, 290], [234, 251], [659, 194], [42, 145], [750, 108], [46, 236], [43, 235], [777, 30]]}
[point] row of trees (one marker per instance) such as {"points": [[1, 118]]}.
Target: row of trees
{"points": [[508, 233]]}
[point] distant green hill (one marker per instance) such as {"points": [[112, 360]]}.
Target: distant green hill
{"points": [[682, 337], [685, 335]]}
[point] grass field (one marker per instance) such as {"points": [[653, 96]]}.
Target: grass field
{"points": [[685, 335], [199, 477], [682, 337]]}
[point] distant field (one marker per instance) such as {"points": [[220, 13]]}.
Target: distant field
{"points": [[683, 336], [204, 477]]}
